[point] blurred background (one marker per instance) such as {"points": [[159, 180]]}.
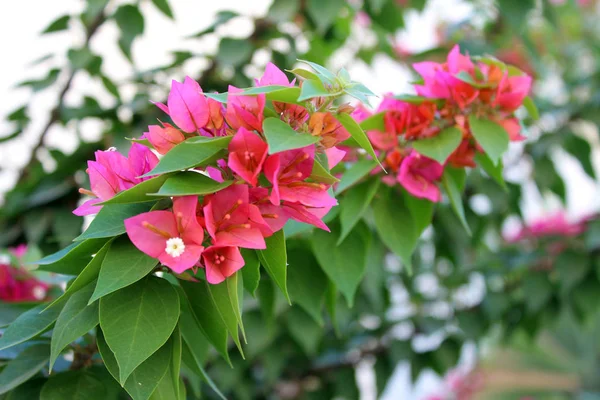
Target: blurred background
{"points": [[510, 312]]}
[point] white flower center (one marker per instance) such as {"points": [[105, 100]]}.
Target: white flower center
{"points": [[175, 247]]}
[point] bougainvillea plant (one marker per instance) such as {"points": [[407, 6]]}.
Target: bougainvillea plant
{"points": [[185, 223]]}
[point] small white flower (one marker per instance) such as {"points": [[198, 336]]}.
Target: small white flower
{"points": [[175, 247]]}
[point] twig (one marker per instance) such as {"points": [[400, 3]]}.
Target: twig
{"points": [[55, 112]]}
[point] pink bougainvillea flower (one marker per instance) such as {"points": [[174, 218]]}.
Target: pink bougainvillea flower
{"points": [[274, 76], [288, 170], [418, 175], [231, 220], [462, 93], [274, 215], [555, 224], [247, 153], [244, 111], [308, 215], [457, 62], [141, 160], [512, 90], [187, 105], [174, 237], [221, 262], [464, 155], [383, 140], [164, 138], [18, 285], [19, 250], [334, 156], [112, 172], [513, 128], [360, 113]]}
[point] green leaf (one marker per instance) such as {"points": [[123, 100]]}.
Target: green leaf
{"points": [[190, 183], [409, 98], [72, 259], [441, 146], [324, 13], [75, 320], [41, 84], [73, 385], [251, 270], [144, 379], [131, 24], [235, 287], [395, 225], [355, 173], [467, 78], [193, 152], [495, 171], [283, 10], [234, 52], [281, 137], [325, 75], [421, 211], [531, 108], [220, 296], [304, 74], [321, 174], [274, 259], [454, 182], [197, 344], [123, 265], [167, 388], [140, 192], [354, 204], [138, 320], [23, 367], [492, 137], [110, 86], [59, 24], [201, 372], [88, 275], [375, 122], [357, 134], [304, 330], [28, 325], [220, 18], [343, 263], [307, 283], [311, 89], [206, 314], [163, 6], [109, 221]]}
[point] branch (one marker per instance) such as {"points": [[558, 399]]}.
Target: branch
{"points": [[55, 112]]}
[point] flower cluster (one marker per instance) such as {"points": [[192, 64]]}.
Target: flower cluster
{"points": [[260, 192], [460, 384], [554, 225], [16, 283], [448, 94]]}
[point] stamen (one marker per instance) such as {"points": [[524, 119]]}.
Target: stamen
{"points": [[274, 216], [308, 184], [154, 229], [179, 219], [243, 226], [87, 192]]}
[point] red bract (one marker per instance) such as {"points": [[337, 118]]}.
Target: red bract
{"points": [[173, 237], [287, 171], [232, 221], [221, 262], [164, 138], [247, 153], [17, 284]]}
